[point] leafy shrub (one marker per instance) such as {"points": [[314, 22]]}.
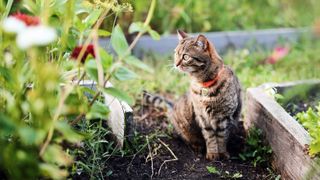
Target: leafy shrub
{"points": [[256, 150], [311, 121], [44, 53]]}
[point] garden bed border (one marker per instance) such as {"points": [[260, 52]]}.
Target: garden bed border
{"points": [[287, 138]]}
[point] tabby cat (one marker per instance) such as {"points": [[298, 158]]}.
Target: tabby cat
{"points": [[210, 111]]}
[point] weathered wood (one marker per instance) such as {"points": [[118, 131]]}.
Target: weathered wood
{"points": [[287, 138]]}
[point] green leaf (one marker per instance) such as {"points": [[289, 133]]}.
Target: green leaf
{"points": [[52, 171], [242, 157], [123, 74], [5, 73], [79, 24], [106, 59], [118, 41], [28, 135], [103, 33], [91, 69], [68, 133], [55, 154], [91, 65], [137, 27], [6, 124], [72, 42], [131, 60], [92, 17], [87, 91], [237, 175], [98, 111], [109, 173], [278, 177], [212, 170], [154, 34], [118, 94]]}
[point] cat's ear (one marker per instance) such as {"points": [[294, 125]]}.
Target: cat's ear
{"points": [[202, 42], [181, 35]]}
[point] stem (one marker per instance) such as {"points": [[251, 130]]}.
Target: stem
{"points": [[8, 8], [64, 96], [108, 76], [98, 58], [46, 11], [146, 23], [96, 26]]}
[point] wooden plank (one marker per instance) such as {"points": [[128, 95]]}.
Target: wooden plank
{"points": [[285, 135]]}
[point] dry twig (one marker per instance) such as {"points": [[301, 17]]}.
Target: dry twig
{"points": [[150, 155], [169, 160]]}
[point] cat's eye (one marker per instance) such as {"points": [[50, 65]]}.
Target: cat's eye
{"points": [[186, 57]]}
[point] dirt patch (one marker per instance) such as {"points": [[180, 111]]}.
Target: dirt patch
{"points": [[300, 98], [165, 147]]}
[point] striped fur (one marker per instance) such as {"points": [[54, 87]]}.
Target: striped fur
{"points": [[204, 117], [157, 101], [213, 111]]}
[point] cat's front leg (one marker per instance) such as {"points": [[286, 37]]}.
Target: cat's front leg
{"points": [[212, 151], [222, 135], [215, 136]]}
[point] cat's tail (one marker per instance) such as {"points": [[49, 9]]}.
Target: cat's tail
{"points": [[157, 101]]}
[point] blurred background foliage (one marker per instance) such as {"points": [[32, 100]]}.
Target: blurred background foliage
{"points": [[26, 115], [219, 15], [47, 119]]}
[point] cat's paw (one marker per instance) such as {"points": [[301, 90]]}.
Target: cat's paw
{"points": [[212, 156], [217, 156]]}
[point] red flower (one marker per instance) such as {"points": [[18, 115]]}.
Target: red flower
{"points": [[76, 52], [277, 54], [28, 20]]}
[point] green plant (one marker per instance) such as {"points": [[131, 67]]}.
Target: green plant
{"points": [[236, 175], [245, 62], [44, 54], [225, 174], [210, 15], [212, 170], [311, 121], [255, 150]]}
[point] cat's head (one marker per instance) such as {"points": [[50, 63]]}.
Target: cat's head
{"points": [[195, 55]]}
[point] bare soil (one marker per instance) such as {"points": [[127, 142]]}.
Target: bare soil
{"points": [[300, 98], [164, 148]]}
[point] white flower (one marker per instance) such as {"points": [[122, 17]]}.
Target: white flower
{"points": [[36, 35], [30, 32], [13, 25]]}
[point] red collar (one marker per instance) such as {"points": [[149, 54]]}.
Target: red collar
{"points": [[214, 80]]}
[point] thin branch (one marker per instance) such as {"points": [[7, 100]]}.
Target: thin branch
{"points": [[98, 58], [166, 161], [64, 96], [150, 153], [8, 9]]}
